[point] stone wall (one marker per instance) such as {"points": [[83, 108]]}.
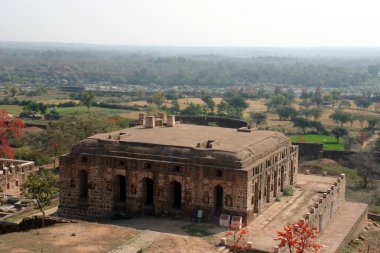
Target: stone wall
{"points": [[269, 177], [13, 173], [309, 151], [198, 185], [205, 121], [314, 151], [328, 203]]}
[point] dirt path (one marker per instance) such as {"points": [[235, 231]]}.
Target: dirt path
{"points": [[372, 139]]}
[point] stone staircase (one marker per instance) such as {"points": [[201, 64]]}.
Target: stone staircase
{"points": [[137, 243], [223, 249]]}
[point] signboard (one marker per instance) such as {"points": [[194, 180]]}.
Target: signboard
{"points": [[236, 222], [224, 220]]}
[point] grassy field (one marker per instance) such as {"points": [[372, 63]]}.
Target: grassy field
{"points": [[329, 142], [11, 109]]}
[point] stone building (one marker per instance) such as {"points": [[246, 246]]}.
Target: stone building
{"points": [[166, 168], [13, 173]]}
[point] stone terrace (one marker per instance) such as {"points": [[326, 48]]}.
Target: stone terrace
{"points": [[264, 228]]}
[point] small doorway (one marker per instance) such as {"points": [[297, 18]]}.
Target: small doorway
{"points": [[256, 202], [83, 184], [176, 195], [120, 191], [268, 189], [148, 190], [275, 183], [218, 199], [292, 172], [282, 178]]}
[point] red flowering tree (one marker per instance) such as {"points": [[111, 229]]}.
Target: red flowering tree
{"points": [[298, 238], [238, 237], [9, 128]]}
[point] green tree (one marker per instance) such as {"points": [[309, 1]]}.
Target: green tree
{"points": [[363, 103], [340, 117], [345, 104], [158, 99], [52, 143], [194, 109], [301, 123], [222, 108], [339, 132], [87, 99], [236, 106], [80, 126], [335, 94], [40, 187], [209, 103], [277, 101], [259, 118], [286, 113], [12, 90]]}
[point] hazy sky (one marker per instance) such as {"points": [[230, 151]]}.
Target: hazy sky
{"points": [[246, 23]]}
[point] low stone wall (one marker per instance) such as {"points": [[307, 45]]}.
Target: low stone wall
{"points": [[309, 151], [328, 203], [30, 223], [344, 155], [314, 151], [205, 121]]}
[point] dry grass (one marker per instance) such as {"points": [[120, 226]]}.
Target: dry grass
{"points": [[89, 237]]}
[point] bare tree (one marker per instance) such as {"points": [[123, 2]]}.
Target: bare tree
{"points": [[367, 166]]}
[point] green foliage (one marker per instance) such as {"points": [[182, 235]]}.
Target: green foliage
{"points": [[235, 105], [29, 154], [339, 132], [340, 117], [288, 190], [40, 186], [286, 113], [158, 99], [196, 229], [80, 126], [258, 118], [209, 102], [11, 89], [194, 109], [87, 99]]}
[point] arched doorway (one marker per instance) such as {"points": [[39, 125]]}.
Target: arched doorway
{"points": [[83, 184], [292, 172], [256, 201], [275, 183], [218, 199], [268, 189], [120, 190], [148, 186], [176, 194], [282, 178]]}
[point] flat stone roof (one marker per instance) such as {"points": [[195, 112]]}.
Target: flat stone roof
{"points": [[225, 147], [185, 135]]}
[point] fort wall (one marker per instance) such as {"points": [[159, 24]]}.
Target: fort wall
{"points": [[13, 173], [328, 203]]}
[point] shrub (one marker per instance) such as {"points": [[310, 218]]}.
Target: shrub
{"points": [[288, 190]]}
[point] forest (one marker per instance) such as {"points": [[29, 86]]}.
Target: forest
{"points": [[57, 65]]}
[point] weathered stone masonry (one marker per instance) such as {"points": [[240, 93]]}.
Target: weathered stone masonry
{"points": [[176, 170], [13, 173]]}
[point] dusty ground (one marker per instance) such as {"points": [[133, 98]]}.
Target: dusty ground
{"points": [[179, 244], [369, 241], [89, 237]]}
